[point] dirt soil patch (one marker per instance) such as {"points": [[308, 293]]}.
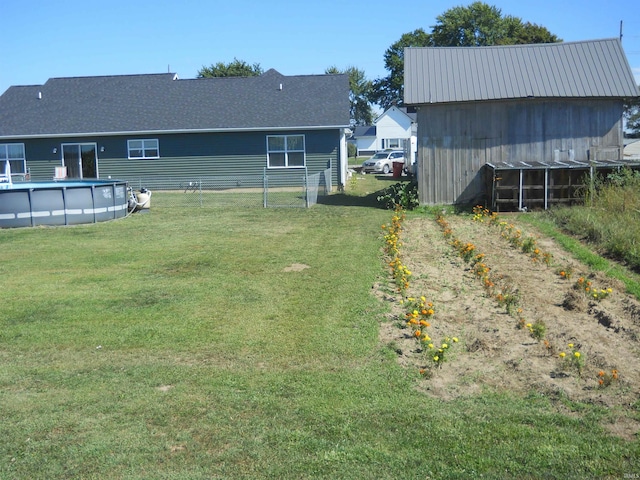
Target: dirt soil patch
{"points": [[493, 351]]}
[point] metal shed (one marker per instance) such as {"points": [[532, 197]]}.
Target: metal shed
{"points": [[542, 115]]}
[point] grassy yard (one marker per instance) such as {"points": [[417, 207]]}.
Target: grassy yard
{"points": [[243, 343]]}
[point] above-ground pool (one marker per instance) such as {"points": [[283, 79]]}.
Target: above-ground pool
{"points": [[68, 202]]}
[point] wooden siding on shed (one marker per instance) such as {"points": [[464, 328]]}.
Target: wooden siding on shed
{"points": [[457, 140]]}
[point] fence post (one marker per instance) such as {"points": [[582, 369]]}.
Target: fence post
{"points": [[306, 186], [265, 186]]}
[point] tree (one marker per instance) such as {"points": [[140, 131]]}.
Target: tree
{"points": [[632, 116], [361, 112], [237, 68], [478, 24], [389, 90]]}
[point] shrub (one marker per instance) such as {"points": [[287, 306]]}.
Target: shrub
{"points": [[352, 151], [404, 194]]}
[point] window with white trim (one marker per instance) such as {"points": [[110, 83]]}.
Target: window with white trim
{"points": [[143, 148], [14, 152], [285, 151], [392, 143]]}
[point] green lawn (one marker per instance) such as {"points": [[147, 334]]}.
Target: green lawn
{"points": [[174, 345]]}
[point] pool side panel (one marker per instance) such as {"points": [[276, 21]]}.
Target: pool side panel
{"points": [[15, 209], [76, 201], [63, 203]]}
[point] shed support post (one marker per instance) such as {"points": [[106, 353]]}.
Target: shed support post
{"points": [[520, 190], [546, 188]]}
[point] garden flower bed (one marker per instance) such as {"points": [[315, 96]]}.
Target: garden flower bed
{"points": [[527, 318]]}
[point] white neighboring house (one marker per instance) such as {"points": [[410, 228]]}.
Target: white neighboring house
{"points": [[393, 129], [631, 148]]}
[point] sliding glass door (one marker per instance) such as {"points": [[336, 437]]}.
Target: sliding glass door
{"points": [[81, 160]]}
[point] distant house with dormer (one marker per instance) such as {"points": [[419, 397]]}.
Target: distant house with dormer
{"points": [[394, 129]]}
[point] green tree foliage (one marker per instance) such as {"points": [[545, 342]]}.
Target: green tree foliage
{"points": [[361, 112], [632, 116], [388, 90], [478, 24], [237, 68]]}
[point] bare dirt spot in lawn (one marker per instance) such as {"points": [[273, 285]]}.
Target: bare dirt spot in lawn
{"points": [[492, 352], [295, 267]]}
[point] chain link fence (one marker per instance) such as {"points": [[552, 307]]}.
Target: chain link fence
{"points": [[295, 189]]}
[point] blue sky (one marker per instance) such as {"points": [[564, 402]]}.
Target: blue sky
{"points": [[63, 38]]}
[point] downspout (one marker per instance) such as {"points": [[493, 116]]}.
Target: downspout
{"points": [[343, 162]]}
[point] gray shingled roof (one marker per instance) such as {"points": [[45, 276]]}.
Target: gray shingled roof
{"points": [[365, 131], [596, 68], [162, 103]]}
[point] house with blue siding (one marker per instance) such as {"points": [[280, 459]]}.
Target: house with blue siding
{"points": [[133, 126]]}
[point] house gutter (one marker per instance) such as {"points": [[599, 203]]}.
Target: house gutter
{"points": [[175, 131]]}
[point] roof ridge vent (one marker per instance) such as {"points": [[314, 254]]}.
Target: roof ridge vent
{"points": [[39, 95]]}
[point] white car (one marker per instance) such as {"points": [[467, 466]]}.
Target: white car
{"points": [[382, 162]]}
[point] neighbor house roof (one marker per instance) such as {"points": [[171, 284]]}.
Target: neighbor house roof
{"points": [[164, 103], [365, 131], [597, 68]]}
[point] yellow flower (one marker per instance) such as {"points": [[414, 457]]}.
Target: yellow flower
{"points": [[444, 345], [562, 355], [576, 354], [430, 345], [423, 299], [436, 358], [455, 339], [571, 345]]}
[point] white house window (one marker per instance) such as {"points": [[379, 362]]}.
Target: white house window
{"points": [[285, 151], [392, 143], [143, 148], [14, 152]]}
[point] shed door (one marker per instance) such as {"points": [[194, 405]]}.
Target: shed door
{"points": [[80, 159]]}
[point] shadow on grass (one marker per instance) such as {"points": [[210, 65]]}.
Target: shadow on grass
{"points": [[356, 199], [348, 200]]}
